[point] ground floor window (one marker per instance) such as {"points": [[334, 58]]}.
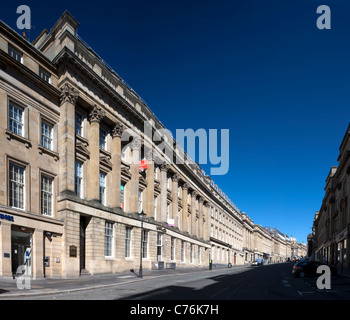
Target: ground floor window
{"points": [[127, 242], [144, 243], [108, 239]]}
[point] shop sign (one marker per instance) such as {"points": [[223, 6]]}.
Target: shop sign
{"points": [[7, 217]]}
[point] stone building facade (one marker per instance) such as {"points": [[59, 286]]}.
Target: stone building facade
{"points": [[329, 240], [84, 188]]}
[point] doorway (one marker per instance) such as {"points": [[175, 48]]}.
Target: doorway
{"points": [[21, 247], [83, 224]]}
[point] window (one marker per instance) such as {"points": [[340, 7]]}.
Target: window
{"points": [[103, 138], [159, 246], [144, 238], [212, 231], [16, 119], [122, 186], [109, 239], [191, 253], [79, 124], [46, 135], [46, 195], [172, 248], [168, 183], [127, 242], [140, 201], [155, 208], [183, 251], [167, 212], [44, 75], [212, 212], [15, 54], [79, 178], [199, 255], [16, 186], [103, 188]]}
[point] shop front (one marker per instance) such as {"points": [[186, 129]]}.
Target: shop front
{"points": [[26, 241]]}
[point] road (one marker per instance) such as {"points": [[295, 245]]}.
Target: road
{"points": [[269, 282]]}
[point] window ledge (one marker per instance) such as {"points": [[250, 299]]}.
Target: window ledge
{"points": [[51, 153], [11, 135]]}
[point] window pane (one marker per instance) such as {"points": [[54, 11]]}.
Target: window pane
{"points": [[46, 135], [16, 119], [103, 188], [16, 184], [46, 195], [108, 239], [127, 242], [79, 178], [78, 124], [15, 54]]}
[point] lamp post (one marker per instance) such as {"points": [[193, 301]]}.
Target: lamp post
{"points": [[141, 214]]}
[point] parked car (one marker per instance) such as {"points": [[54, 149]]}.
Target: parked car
{"points": [[309, 269], [257, 262]]}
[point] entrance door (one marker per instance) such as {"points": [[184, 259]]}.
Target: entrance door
{"points": [[82, 242], [21, 244]]}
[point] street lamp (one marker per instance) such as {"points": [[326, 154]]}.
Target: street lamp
{"points": [[141, 214]]}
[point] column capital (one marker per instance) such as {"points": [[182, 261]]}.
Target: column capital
{"points": [[97, 114], [185, 186], [176, 177], [164, 166], [149, 155], [68, 94], [117, 130], [194, 193], [136, 144], [200, 199]]}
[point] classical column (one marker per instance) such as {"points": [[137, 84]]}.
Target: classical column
{"points": [[163, 194], [200, 217], [184, 207], [116, 161], [193, 213], [150, 185], [175, 198], [66, 138], [206, 220], [96, 116], [134, 182]]}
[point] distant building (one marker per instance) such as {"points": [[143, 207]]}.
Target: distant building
{"points": [[330, 236]]}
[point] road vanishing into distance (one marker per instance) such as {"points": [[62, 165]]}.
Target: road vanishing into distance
{"points": [[268, 282]]}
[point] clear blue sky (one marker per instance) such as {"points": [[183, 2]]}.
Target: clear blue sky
{"points": [[260, 68]]}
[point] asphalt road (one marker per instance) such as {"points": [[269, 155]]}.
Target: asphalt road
{"points": [[269, 282]]}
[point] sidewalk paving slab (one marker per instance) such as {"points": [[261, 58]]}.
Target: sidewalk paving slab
{"points": [[9, 288]]}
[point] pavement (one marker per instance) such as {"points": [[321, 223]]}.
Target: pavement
{"points": [[18, 287]]}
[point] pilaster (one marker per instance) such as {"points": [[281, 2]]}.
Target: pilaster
{"points": [[175, 198], [163, 194], [66, 138], [116, 162], [96, 116]]}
